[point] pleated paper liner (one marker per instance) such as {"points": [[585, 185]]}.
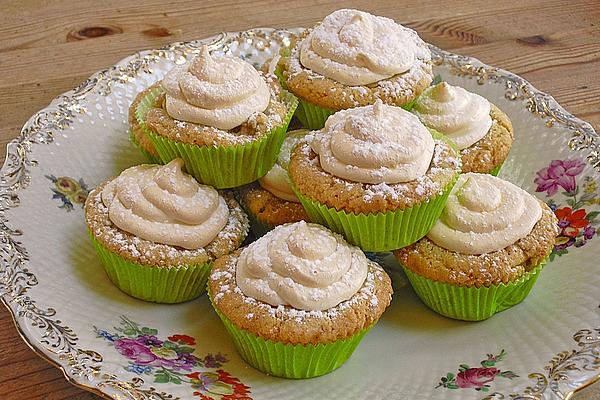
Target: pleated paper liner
{"points": [[312, 116], [151, 159], [156, 284], [472, 303], [221, 166], [295, 361], [382, 231], [496, 170]]}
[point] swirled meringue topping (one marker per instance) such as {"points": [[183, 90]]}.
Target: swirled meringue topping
{"points": [[461, 115], [302, 265], [164, 205], [277, 180], [374, 144], [485, 214], [357, 48], [221, 92]]}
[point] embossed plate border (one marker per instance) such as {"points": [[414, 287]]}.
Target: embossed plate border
{"points": [[83, 367]]}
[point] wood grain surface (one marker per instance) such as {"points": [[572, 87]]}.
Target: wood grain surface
{"points": [[48, 47]]}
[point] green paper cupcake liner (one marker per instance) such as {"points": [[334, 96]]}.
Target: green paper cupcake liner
{"points": [[472, 303], [409, 106], [312, 116], [156, 284], [151, 159], [496, 170], [295, 361], [221, 166], [382, 231]]}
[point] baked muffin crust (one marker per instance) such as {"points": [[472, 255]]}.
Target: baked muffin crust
{"points": [[292, 326], [138, 250], [439, 264], [256, 127], [315, 183], [268, 208]]}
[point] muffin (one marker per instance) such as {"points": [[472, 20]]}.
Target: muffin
{"points": [[484, 253], [138, 138], [157, 231], [271, 201], [350, 59], [376, 175], [480, 130], [297, 301], [225, 119]]}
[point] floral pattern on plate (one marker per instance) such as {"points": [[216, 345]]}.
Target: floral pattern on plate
{"points": [[478, 378], [173, 361], [68, 191], [63, 335], [577, 225]]}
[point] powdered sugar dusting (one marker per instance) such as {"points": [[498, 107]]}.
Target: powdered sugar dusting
{"points": [[398, 86], [255, 127], [156, 254], [226, 285], [443, 162]]}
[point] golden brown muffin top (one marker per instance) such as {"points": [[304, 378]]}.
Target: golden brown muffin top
{"points": [[507, 265], [257, 126], [268, 208], [292, 326], [138, 250], [327, 93], [316, 184]]}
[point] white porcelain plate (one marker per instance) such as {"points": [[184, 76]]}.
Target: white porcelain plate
{"points": [[69, 312]]}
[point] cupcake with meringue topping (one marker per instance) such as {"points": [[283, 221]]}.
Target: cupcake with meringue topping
{"points": [[485, 252], [480, 130], [375, 174], [137, 135], [224, 118], [270, 201], [157, 230], [350, 59], [298, 301]]}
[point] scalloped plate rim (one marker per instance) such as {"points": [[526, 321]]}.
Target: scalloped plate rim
{"points": [[7, 300]]}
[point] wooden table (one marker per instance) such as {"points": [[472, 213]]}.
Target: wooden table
{"points": [[47, 48]]}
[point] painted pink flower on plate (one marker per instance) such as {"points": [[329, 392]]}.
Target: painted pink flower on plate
{"points": [[479, 378], [578, 217], [172, 360], [476, 377], [560, 173], [135, 351]]}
